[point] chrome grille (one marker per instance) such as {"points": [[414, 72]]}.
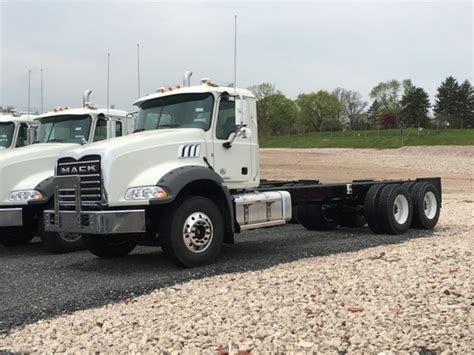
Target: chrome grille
{"points": [[88, 170]]}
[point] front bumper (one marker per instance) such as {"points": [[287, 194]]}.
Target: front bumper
{"points": [[95, 222], [11, 217]]}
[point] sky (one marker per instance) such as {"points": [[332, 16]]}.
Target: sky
{"points": [[297, 46]]}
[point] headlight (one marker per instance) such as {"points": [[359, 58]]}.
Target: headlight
{"points": [[25, 195], [145, 193]]}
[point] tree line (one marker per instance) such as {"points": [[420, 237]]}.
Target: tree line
{"points": [[394, 104]]}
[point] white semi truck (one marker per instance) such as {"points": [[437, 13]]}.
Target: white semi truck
{"points": [[16, 130], [190, 180], [26, 174]]}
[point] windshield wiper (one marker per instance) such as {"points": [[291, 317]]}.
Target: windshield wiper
{"points": [[139, 130], [58, 140]]}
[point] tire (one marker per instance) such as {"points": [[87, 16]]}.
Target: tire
{"points": [[395, 209], [192, 231], [371, 208], [426, 205], [352, 220], [409, 185], [109, 246], [59, 243], [15, 237], [318, 216]]}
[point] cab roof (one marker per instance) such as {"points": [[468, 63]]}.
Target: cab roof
{"points": [[17, 118], [197, 89], [83, 111]]}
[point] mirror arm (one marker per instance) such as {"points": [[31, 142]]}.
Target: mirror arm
{"points": [[228, 145]]}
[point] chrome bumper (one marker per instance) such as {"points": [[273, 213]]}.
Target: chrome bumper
{"points": [[95, 222], [11, 217]]}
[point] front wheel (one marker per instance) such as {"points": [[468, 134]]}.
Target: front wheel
{"points": [[109, 246], [192, 232]]}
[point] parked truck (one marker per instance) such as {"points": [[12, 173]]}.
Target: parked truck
{"points": [[26, 174], [17, 130], [189, 181]]}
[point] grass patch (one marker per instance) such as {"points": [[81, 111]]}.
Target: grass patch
{"points": [[381, 139]]}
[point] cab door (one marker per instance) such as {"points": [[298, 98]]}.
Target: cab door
{"points": [[233, 162]]}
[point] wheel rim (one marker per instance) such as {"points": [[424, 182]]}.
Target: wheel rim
{"points": [[430, 205], [401, 209], [69, 237], [198, 232]]}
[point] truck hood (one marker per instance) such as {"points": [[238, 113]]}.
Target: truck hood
{"points": [[142, 158], [24, 168]]}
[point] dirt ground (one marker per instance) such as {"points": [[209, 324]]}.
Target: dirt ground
{"points": [[454, 164], [413, 295]]}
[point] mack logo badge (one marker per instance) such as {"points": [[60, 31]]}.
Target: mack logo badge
{"points": [[81, 169]]}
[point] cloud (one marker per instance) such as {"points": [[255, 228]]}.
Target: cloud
{"points": [[300, 47]]}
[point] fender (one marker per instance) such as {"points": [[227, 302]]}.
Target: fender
{"points": [[179, 178], [47, 188]]}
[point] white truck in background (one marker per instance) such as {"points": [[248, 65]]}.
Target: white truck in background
{"points": [[189, 180], [26, 174], [17, 130]]}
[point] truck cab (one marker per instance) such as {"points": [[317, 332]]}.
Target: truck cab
{"points": [[26, 174], [199, 140], [17, 130]]}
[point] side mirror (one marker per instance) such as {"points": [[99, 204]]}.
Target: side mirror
{"points": [[31, 134]]}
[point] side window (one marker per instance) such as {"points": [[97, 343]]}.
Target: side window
{"points": [[100, 130], [118, 129], [22, 139], [225, 119]]}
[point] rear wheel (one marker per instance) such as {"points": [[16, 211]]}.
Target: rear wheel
{"points": [[395, 209], [192, 232], [371, 208], [13, 237], [426, 205], [409, 185], [318, 216], [110, 246]]}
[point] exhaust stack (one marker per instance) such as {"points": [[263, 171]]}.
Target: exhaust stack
{"points": [[187, 78], [85, 97]]}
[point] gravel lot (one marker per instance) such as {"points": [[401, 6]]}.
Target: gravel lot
{"points": [[346, 290]]}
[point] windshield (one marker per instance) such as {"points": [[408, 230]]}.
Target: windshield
{"points": [[176, 111], [6, 134], [64, 129]]}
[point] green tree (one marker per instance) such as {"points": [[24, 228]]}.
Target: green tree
{"points": [[319, 111], [263, 90], [387, 94], [447, 101], [277, 115], [352, 106], [415, 105], [373, 112], [466, 104]]}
